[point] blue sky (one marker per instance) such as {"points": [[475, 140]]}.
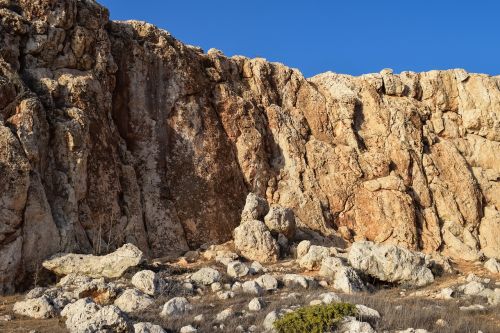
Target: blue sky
{"points": [[348, 36]]}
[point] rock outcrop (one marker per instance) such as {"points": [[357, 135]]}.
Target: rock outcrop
{"points": [[116, 132], [390, 263], [112, 265]]}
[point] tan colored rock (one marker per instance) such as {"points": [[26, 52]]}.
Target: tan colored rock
{"points": [[281, 220], [116, 132], [254, 241], [112, 265]]}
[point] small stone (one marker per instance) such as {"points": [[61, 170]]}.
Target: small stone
{"points": [[473, 308], [315, 302], [148, 328], [256, 268], [175, 306], [237, 269], [442, 323], [303, 248], [199, 318], [147, 282], [35, 293], [446, 293], [291, 280], [330, 297], [255, 304], [269, 320], [351, 325], [472, 277], [133, 300], [267, 282], [224, 315], [188, 286], [492, 265], [225, 294], [192, 256], [216, 286], [206, 276], [6, 318], [188, 329], [473, 288], [365, 313], [236, 287], [38, 308], [251, 287]]}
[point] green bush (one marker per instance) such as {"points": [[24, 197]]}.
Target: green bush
{"points": [[314, 319]]}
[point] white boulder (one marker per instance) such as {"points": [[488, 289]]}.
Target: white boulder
{"points": [[390, 263], [254, 241], [112, 265]]}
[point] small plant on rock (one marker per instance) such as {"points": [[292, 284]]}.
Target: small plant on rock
{"points": [[314, 319]]}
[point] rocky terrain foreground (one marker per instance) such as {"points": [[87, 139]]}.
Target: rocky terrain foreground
{"points": [[255, 282], [123, 149]]}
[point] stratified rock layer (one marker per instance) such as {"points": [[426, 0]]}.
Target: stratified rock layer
{"points": [[115, 132]]}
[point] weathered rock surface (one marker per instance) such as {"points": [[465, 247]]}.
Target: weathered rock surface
{"points": [[206, 276], [492, 265], [39, 308], [281, 220], [115, 132], [390, 263], [255, 242], [112, 265], [133, 300], [148, 328], [84, 316], [344, 277], [147, 281], [175, 307]]}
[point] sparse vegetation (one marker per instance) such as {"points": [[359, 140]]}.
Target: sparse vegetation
{"points": [[314, 319]]}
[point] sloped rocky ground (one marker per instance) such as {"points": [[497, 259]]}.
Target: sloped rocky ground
{"points": [[116, 132], [222, 288]]}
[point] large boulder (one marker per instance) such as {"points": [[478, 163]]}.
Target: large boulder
{"points": [[315, 254], [344, 277], [390, 263], [281, 220], [254, 241], [112, 265], [85, 316], [38, 308]]}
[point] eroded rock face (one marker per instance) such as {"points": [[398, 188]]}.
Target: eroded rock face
{"points": [[115, 132]]}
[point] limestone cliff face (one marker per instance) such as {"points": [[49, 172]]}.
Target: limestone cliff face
{"points": [[114, 132]]}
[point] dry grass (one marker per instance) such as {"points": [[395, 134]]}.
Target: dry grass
{"points": [[402, 313]]}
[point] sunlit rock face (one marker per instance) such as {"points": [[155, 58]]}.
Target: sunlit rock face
{"points": [[115, 132]]}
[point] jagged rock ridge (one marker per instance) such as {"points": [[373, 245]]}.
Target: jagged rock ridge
{"points": [[115, 132]]}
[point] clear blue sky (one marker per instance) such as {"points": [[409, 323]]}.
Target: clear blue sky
{"points": [[344, 36]]}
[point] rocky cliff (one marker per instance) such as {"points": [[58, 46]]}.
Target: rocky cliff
{"points": [[114, 132]]}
